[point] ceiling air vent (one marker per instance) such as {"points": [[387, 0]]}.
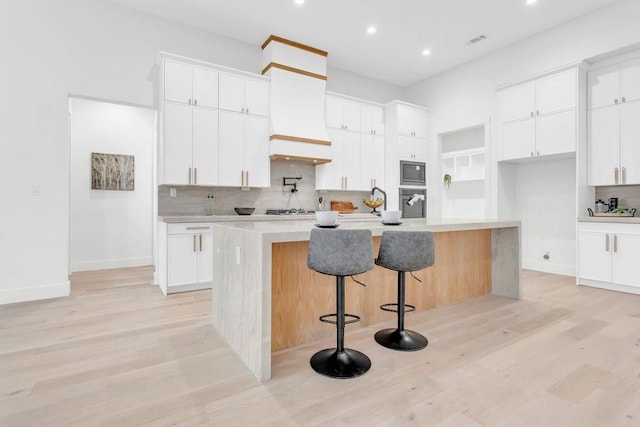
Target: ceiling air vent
{"points": [[477, 39]]}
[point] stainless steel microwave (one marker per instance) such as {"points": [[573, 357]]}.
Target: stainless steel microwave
{"points": [[413, 173]]}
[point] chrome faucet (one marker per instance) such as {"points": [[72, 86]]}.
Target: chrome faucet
{"points": [[373, 190]]}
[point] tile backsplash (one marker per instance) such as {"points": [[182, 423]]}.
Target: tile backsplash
{"points": [[192, 200], [628, 195]]}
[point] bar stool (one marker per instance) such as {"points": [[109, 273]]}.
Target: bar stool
{"points": [[403, 251], [340, 253]]}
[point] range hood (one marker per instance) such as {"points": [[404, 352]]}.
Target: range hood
{"points": [[298, 94]]}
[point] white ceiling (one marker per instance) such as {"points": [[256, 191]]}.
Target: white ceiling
{"points": [[404, 28]]}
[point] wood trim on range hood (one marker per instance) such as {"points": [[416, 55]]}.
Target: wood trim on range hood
{"points": [[313, 160], [294, 44], [293, 70], [299, 139]]}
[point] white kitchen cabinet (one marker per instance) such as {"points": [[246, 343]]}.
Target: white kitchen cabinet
{"points": [[343, 113], [190, 85], [613, 133], [412, 122], [371, 119], [343, 172], [614, 84], [607, 256], [412, 147], [244, 95], [539, 117], [371, 161], [185, 257], [190, 153], [243, 150]]}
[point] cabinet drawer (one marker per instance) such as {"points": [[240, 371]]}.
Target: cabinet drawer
{"points": [[190, 228]]}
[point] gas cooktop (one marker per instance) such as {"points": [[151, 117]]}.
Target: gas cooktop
{"points": [[291, 211]]}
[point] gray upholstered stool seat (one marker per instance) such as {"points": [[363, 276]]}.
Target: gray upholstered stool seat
{"points": [[403, 251], [340, 253]]}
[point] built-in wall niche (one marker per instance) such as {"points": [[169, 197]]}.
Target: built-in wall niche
{"points": [[463, 159]]}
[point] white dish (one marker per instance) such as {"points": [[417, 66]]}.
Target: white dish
{"points": [[391, 223], [327, 226]]}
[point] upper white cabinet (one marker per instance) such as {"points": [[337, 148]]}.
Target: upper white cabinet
{"points": [[613, 125], [539, 117], [372, 119], [343, 113], [356, 130], [244, 95], [412, 121], [188, 84], [614, 84]]}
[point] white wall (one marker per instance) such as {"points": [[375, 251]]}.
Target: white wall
{"points": [[111, 229], [466, 95], [50, 49]]}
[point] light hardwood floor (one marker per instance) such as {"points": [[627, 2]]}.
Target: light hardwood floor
{"points": [[118, 353]]}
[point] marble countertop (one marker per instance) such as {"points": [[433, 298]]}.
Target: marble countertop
{"points": [[261, 217], [611, 219], [299, 230]]}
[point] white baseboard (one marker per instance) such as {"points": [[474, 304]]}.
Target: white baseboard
{"points": [[547, 267], [34, 293], [104, 264]]}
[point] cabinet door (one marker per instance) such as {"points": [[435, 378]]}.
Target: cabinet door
{"points": [[630, 142], [329, 176], [603, 144], [205, 87], [406, 147], [205, 146], [333, 112], [182, 259], [231, 148], [231, 93], [372, 119], [257, 97], [177, 82], [594, 256], [518, 139], [603, 86], [556, 133], [205, 257], [630, 80], [405, 120], [256, 151], [351, 115], [351, 161], [177, 143], [626, 269], [371, 161], [556, 92], [517, 102]]}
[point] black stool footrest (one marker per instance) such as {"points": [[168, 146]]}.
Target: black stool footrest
{"points": [[408, 308], [353, 317]]}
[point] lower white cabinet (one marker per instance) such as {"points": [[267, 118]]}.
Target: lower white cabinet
{"points": [[185, 257], [608, 256]]}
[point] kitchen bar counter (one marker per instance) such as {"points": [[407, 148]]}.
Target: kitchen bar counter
{"points": [[266, 299], [259, 217], [613, 219]]}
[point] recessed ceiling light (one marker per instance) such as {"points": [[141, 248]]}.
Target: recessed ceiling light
{"points": [[530, 2], [371, 30], [299, 1], [426, 52]]}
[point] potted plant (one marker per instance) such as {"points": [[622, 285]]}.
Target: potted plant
{"points": [[447, 180]]}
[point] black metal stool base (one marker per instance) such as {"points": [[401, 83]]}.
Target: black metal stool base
{"points": [[404, 340], [340, 364]]}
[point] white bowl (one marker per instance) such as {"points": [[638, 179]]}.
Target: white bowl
{"points": [[391, 217], [326, 217]]}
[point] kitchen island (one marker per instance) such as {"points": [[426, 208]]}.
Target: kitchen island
{"points": [[265, 298]]}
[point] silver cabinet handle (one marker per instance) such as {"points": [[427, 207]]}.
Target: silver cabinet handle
{"points": [[615, 175], [346, 182], [198, 228], [189, 175], [624, 178], [537, 113], [247, 176], [532, 114], [195, 175], [615, 243], [624, 99], [195, 102], [247, 110], [615, 101], [189, 101], [537, 153], [194, 243], [532, 154], [200, 242], [606, 244]]}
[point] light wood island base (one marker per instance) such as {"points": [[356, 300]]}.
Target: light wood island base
{"points": [[299, 295]]}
